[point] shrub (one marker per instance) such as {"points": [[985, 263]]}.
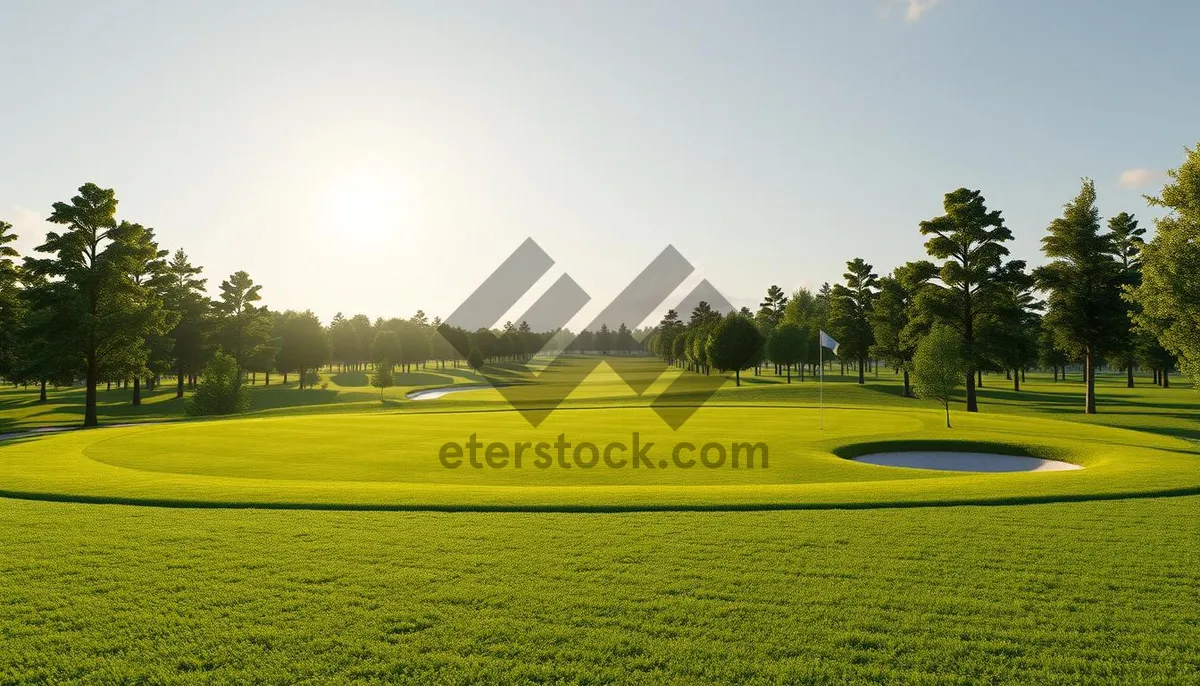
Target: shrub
{"points": [[939, 366], [382, 377], [220, 390]]}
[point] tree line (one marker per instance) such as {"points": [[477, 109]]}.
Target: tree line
{"points": [[1104, 296], [100, 301]]}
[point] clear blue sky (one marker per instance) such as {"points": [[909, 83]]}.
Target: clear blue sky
{"points": [[383, 157]]}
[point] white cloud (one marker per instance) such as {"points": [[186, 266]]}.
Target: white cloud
{"points": [[1139, 177], [915, 9]]}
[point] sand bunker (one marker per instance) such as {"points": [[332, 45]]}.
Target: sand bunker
{"points": [[965, 462], [432, 393]]}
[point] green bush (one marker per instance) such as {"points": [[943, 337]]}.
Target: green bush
{"points": [[220, 390]]}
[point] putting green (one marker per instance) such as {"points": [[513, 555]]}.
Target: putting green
{"points": [[392, 461]]}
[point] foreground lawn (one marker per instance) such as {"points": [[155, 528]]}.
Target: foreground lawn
{"points": [[1103, 592], [320, 540]]}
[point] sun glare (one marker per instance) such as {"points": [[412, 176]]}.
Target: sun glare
{"points": [[364, 204]]}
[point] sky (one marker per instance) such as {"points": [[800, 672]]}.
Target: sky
{"points": [[384, 157]]}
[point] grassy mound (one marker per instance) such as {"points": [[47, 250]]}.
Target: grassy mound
{"points": [[391, 460]]}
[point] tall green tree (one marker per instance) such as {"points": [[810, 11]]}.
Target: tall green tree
{"points": [[787, 345], [104, 316], [185, 295], [11, 303], [733, 344], [303, 345], [850, 312], [773, 305], [1128, 240], [895, 326], [148, 270], [1084, 281], [244, 326], [1012, 332], [1169, 294], [386, 347], [344, 343], [970, 283]]}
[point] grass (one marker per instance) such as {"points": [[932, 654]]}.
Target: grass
{"points": [[813, 570], [1060, 593]]}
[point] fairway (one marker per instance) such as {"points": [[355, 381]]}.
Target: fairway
{"points": [[393, 459]]}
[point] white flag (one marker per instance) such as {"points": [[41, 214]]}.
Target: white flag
{"points": [[828, 342]]}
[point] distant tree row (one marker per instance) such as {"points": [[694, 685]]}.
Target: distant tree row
{"points": [[1103, 296], [102, 302]]}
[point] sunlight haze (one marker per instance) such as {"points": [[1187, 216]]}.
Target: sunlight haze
{"points": [[384, 157]]}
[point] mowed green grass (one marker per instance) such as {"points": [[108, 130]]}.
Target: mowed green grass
{"points": [[1062, 577], [1074, 593], [391, 457]]}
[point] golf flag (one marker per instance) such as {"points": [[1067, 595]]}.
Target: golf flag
{"points": [[828, 342]]}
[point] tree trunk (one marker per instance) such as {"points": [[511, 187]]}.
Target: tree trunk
{"points": [[42, 392], [907, 385], [789, 373], [948, 416], [90, 415], [980, 380], [1022, 375], [862, 363], [1016, 377], [1129, 374], [737, 374], [972, 403], [1166, 378], [1055, 367], [137, 391], [1090, 395]]}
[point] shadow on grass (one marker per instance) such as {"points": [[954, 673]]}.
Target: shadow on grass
{"points": [[600, 509], [350, 379]]}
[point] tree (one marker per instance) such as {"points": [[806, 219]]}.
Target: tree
{"points": [[102, 315], [970, 282], [303, 345], [1084, 283], [147, 267], [386, 347], [850, 312], [604, 339], [1049, 354], [1169, 294], [939, 365], [220, 390], [185, 295], [894, 325], [344, 343], [624, 339], [773, 305], [11, 303], [733, 344], [787, 345], [1128, 241], [245, 326], [382, 377], [1013, 331], [475, 359]]}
